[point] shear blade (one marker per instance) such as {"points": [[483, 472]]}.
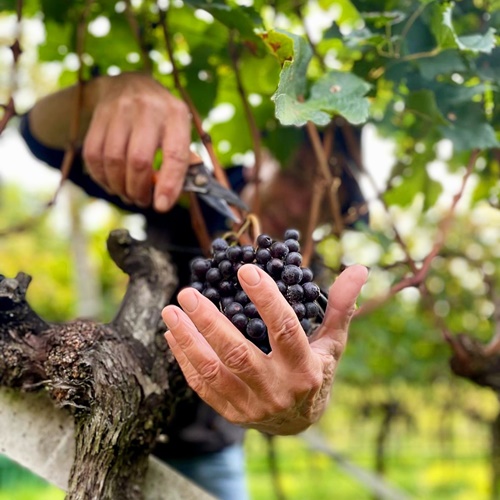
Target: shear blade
{"points": [[219, 205]]}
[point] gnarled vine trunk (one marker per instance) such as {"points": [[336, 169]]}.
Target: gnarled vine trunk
{"points": [[118, 380]]}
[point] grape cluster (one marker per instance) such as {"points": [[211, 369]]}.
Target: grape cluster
{"points": [[216, 278]]}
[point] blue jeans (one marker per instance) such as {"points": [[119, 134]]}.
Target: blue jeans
{"points": [[222, 473]]}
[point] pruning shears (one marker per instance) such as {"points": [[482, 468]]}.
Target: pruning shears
{"points": [[200, 180]]}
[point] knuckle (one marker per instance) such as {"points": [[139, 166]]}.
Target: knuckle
{"points": [[139, 162], [209, 370], [124, 103], [179, 107], [313, 381], [281, 405], [196, 383], [285, 329], [91, 157], [177, 155], [238, 358]]}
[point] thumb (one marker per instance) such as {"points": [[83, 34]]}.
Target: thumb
{"points": [[332, 334]]}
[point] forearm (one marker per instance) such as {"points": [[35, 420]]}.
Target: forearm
{"points": [[51, 117]]}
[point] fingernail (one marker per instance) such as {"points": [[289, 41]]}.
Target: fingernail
{"points": [[188, 300], [170, 317], [162, 203], [250, 275]]}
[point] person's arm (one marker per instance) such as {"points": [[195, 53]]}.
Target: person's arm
{"points": [[124, 120], [280, 393]]}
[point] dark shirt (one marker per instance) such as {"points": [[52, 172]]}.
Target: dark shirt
{"points": [[196, 428]]}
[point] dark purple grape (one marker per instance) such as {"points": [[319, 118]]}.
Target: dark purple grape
{"points": [[299, 309], [307, 275], [219, 257], [247, 254], [279, 250], [232, 309], [291, 275], [256, 329], [292, 234], [311, 291], [236, 267], [226, 288], [312, 309], [199, 267], [197, 285], [250, 310], [225, 301], [213, 275], [264, 241], [240, 321], [295, 293], [241, 297], [306, 325], [212, 294], [274, 267], [294, 259], [262, 255], [219, 244], [226, 268], [293, 245], [281, 286], [234, 254]]}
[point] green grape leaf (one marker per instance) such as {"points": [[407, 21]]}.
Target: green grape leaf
{"points": [[478, 43], [284, 45], [242, 19], [294, 64], [488, 65], [446, 62], [336, 92], [423, 104], [468, 128], [446, 36]]}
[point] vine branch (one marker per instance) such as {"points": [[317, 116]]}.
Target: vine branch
{"points": [[443, 229]]}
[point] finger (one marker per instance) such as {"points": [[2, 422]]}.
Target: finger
{"points": [[209, 395], [175, 148], [238, 354], [332, 334], [140, 157], [286, 335], [201, 366], [93, 148], [115, 153]]}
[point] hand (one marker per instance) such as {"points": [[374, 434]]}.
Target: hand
{"points": [[134, 116], [280, 393]]}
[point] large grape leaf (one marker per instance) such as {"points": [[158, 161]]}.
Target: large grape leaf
{"points": [[446, 36], [446, 62], [469, 129], [336, 92]]}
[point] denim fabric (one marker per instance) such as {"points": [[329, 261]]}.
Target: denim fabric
{"points": [[222, 473]]}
